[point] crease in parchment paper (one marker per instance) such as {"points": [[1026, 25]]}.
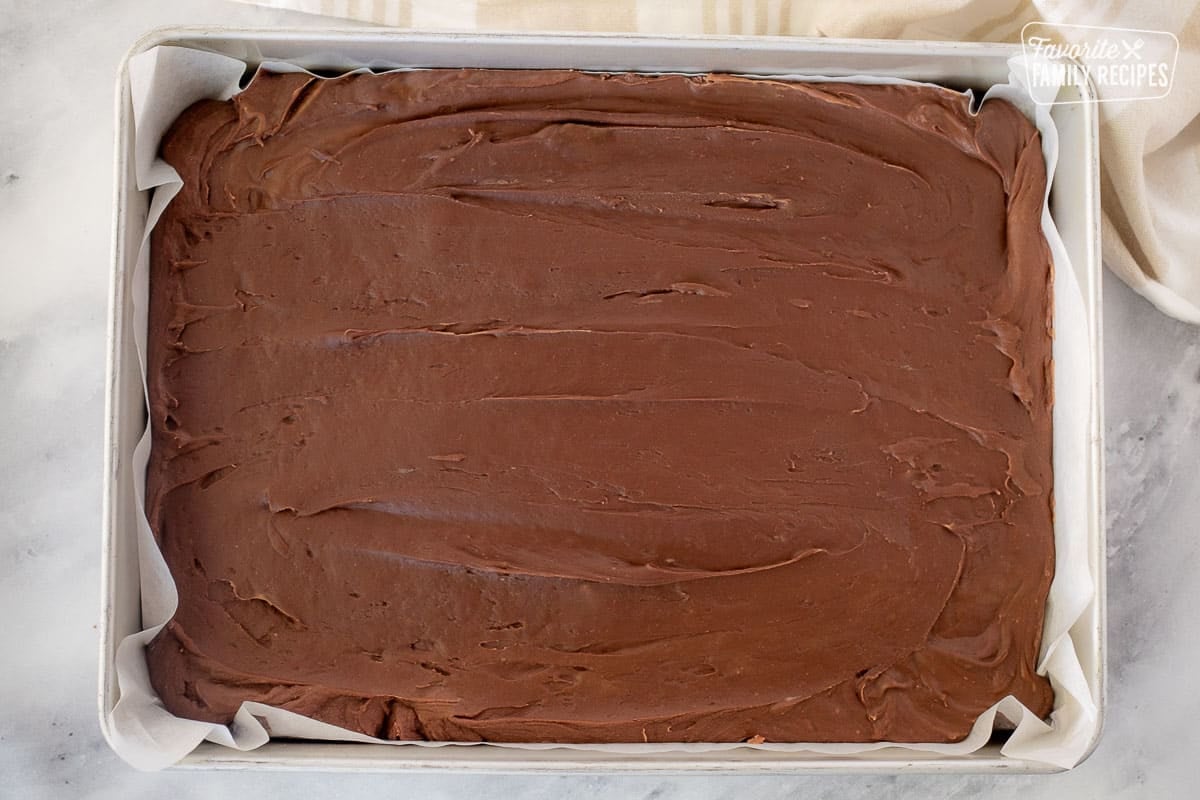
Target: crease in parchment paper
{"points": [[166, 80]]}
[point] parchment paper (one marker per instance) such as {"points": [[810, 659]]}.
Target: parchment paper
{"points": [[166, 80]]}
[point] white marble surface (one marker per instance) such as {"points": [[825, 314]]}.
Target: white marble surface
{"points": [[57, 65]]}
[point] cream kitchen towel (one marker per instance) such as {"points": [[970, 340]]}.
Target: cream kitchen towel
{"points": [[1150, 149]]}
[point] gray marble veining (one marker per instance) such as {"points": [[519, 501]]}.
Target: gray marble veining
{"points": [[58, 65]]}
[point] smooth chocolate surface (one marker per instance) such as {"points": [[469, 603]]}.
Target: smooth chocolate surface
{"points": [[543, 406]]}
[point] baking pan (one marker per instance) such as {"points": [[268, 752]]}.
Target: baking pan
{"points": [[1074, 204]]}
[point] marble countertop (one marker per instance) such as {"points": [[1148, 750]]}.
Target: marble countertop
{"points": [[59, 61]]}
